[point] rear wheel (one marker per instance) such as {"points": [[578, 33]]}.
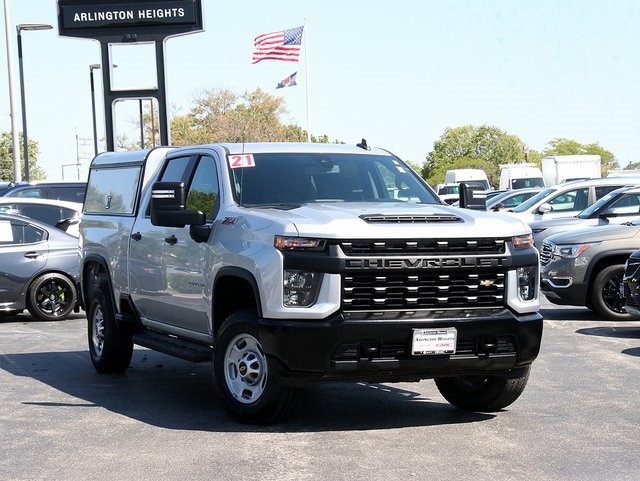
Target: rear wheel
{"points": [[480, 393], [605, 294], [111, 349], [241, 370], [52, 297]]}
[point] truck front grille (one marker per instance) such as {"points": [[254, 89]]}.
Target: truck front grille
{"points": [[438, 247], [457, 288]]}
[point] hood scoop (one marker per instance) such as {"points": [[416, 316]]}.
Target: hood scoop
{"points": [[409, 218]]}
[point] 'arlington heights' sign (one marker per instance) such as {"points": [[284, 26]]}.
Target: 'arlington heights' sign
{"points": [[121, 22], [88, 18]]}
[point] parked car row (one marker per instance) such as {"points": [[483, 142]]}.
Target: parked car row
{"points": [[586, 231], [69, 191]]}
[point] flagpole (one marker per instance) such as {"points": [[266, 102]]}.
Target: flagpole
{"points": [[306, 74]]}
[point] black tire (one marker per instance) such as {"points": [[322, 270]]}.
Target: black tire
{"points": [[484, 394], [110, 348], [242, 374], [605, 294], [52, 297]]}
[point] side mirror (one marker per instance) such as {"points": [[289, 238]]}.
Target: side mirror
{"points": [[546, 207], [473, 196], [168, 206]]}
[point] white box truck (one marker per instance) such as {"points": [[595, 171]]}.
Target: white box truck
{"points": [[519, 176], [561, 168]]}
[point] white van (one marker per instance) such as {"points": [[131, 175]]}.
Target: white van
{"points": [[518, 176], [448, 193], [478, 176]]}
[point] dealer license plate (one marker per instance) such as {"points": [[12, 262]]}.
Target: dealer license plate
{"points": [[434, 341]]}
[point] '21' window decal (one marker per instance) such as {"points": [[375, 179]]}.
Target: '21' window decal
{"points": [[241, 160]]}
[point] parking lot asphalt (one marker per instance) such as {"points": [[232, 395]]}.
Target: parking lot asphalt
{"points": [[60, 420]]}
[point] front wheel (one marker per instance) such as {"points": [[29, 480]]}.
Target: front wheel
{"points": [[480, 393], [605, 294], [249, 391], [52, 297], [111, 349]]}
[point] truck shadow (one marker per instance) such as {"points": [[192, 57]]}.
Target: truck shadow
{"points": [[621, 332], [569, 314], [165, 392]]}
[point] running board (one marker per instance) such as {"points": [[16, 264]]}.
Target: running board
{"points": [[187, 350]]}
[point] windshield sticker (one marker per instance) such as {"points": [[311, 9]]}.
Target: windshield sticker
{"points": [[243, 160], [400, 169]]}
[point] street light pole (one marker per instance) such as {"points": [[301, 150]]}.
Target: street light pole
{"points": [[12, 96], [25, 138]]}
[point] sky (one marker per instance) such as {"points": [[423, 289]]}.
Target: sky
{"points": [[395, 73]]}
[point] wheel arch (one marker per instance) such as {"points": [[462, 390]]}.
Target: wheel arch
{"points": [[234, 289], [94, 274]]}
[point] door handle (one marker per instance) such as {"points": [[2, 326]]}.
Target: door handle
{"points": [[31, 255], [171, 240], [136, 236]]}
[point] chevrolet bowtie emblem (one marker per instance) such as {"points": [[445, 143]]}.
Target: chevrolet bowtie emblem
{"points": [[487, 283]]}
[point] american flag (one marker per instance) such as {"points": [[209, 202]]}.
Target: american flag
{"points": [[283, 45]]}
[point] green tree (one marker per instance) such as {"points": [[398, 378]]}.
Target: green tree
{"points": [[561, 146], [477, 147], [6, 158], [224, 116]]}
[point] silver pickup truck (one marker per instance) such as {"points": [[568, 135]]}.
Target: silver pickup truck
{"points": [[286, 264]]}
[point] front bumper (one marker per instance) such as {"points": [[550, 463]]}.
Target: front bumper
{"points": [[380, 350], [570, 295], [563, 282]]}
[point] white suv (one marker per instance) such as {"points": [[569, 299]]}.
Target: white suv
{"points": [[567, 199]]}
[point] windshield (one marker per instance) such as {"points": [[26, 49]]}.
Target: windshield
{"points": [[527, 182], [533, 200], [449, 189], [299, 178]]}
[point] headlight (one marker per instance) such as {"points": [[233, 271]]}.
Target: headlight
{"points": [[285, 243], [522, 241], [569, 251], [300, 288]]}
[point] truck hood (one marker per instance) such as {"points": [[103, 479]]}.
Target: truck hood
{"points": [[597, 234], [366, 220]]}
